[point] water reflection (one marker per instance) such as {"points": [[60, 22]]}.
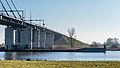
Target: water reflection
{"points": [[70, 56], [21, 55], [9, 55]]}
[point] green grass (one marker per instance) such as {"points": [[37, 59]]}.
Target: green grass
{"points": [[58, 64]]}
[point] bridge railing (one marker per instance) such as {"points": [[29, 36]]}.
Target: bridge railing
{"points": [[10, 19]]}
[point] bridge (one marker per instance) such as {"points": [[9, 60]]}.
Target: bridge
{"points": [[22, 35], [19, 34]]}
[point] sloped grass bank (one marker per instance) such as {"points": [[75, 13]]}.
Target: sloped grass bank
{"points": [[58, 64]]}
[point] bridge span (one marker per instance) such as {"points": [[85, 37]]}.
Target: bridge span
{"points": [[20, 34]]}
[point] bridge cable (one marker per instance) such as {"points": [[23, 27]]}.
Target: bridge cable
{"points": [[17, 10], [4, 7], [10, 8]]}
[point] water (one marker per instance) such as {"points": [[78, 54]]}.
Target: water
{"points": [[67, 56]]}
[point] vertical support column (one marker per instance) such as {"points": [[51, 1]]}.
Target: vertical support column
{"points": [[39, 38], [23, 38], [42, 38], [9, 38], [35, 38], [20, 39], [49, 40], [30, 38]]}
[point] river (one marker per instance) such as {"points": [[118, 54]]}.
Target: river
{"points": [[65, 56]]}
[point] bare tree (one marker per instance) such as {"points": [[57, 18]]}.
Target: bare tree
{"points": [[72, 36]]}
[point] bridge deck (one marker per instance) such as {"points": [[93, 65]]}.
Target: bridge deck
{"points": [[15, 23]]}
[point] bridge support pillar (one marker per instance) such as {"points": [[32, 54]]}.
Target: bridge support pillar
{"points": [[39, 38], [49, 40], [9, 38], [36, 38], [23, 38], [42, 38]]}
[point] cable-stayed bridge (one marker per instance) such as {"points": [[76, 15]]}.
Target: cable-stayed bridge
{"points": [[19, 34]]}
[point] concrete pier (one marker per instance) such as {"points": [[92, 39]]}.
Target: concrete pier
{"points": [[23, 38], [49, 40], [42, 38], [9, 38], [35, 38]]}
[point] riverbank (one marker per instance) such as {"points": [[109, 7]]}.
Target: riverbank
{"points": [[58, 64], [77, 50]]}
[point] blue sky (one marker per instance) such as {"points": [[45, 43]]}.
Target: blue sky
{"points": [[94, 20]]}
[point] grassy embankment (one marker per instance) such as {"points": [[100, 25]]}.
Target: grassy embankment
{"points": [[58, 64], [64, 43]]}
